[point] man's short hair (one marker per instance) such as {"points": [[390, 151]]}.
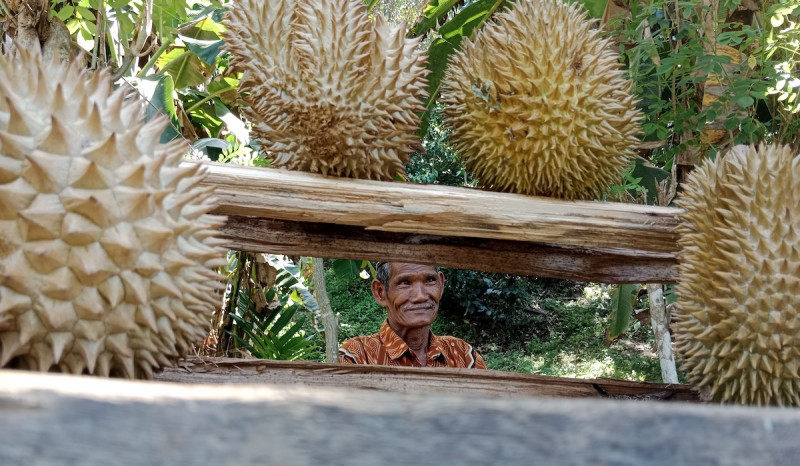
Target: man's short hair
{"points": [[384, 273]]}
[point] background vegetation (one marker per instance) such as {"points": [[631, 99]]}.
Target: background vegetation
{"points": [[526, 324]]}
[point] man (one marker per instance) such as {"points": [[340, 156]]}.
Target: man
{"points": [[410, 293]]}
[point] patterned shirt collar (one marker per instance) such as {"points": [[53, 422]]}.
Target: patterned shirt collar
{"points": [[396, 346]]}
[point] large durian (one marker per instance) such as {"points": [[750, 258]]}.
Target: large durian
{"points": [[538, 104], [737, 328], [106, 247], [331, 91]]}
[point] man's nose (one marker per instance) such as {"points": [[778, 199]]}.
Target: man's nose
{"points": [[418, 293]]}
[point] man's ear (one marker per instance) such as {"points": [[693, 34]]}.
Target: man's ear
{"points": [[441, 278], [379, 292]]}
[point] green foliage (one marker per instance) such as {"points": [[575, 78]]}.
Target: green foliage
{"points": [[670, 62], [623, 299], [574, 346], [470, 292], [273, 333], [440, 163], [352, 300]]}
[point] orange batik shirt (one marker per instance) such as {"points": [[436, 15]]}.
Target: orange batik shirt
{"points": [[387, 349]]}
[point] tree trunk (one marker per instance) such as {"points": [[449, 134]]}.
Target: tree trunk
{"points": [[660, 321], [330, 322]]}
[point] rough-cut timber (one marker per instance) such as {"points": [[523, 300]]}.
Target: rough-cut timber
{"points": [[622, 242], [414, 380], [58, 419], [491, 255]]}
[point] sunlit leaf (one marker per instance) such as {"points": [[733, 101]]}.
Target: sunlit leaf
{"points": [[623, 298], [207, 50], [187, 70]]}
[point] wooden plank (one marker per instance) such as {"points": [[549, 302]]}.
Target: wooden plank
{"points": [[490, 255], [441, 210], [53, 419], [413, 380]]}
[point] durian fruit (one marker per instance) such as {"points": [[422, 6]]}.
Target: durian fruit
{"points": [[331, 91], [537, 104], [737, 328], [106, 248]]}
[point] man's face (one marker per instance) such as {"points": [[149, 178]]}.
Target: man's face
{"points": [[412, 298]]}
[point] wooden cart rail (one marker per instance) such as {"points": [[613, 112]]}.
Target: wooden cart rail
{"points": [[414, 380]]}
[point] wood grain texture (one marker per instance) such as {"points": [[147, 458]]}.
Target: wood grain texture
{"points": [[54, 419], [281, 211], [413, 380], [440, 210], [489, 255]]}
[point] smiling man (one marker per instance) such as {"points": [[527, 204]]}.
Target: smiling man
{"points": [[410, 293]]}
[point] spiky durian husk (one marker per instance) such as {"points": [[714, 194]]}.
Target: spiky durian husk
{"points": [[737, 328], [331, 91], [106, 247], [538, 104]]}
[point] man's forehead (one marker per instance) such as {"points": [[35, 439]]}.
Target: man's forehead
{"points": [[406, 268]]}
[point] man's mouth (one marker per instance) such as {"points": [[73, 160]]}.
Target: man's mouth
{"points": [[422, 308]]}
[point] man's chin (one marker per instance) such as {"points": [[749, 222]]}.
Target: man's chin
{"points": [[414, 320]]}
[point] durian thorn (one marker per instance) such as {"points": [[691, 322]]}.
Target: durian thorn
{"points": [[9, 346], [145, 369], [117, 343], [113, 108], [146, 359], [17, 122], [165, 330], [90, 350], [104, 153], [42, 91], [15, 146], [58, 138], [29, 326], [103, 368], [94, 123], [59, 105], [126, 364], [44, 356], [59, 342], [149, 135]]}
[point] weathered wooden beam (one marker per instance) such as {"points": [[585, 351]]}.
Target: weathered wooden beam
{"points": [[459, 227], [52, 419], [414, 380], [490, 255]]}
